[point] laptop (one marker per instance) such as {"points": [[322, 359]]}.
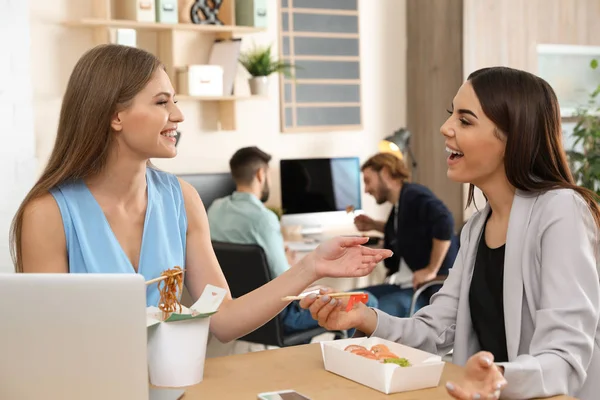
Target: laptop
{"points": [[74, 336]]}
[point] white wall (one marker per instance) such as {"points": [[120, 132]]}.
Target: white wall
{"points": [[17, 152], [383, 63]]}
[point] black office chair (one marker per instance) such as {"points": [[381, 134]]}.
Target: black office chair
{"points": [[245, 267], [438, 281]]}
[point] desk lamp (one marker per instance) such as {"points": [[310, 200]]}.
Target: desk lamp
{"points": [[398, 143]]}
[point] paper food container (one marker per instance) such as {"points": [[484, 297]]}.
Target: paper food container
{"points": [[425, 370], [177, 345]]}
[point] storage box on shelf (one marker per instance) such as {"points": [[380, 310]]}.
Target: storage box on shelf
{"points": [[105, 19]]}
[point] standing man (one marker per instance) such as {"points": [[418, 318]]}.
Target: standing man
{"points": [[419, 230]]}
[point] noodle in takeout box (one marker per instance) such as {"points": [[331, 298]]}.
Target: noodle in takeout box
{"points": [[178, 336]]}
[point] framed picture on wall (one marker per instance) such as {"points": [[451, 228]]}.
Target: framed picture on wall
{"points": [[567, 69]]}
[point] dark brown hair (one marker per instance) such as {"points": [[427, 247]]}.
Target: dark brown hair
{"points": [[525, 110], [246, 162], [389, 161], [104, 81]]}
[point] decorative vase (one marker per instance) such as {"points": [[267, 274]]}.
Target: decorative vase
{"points": [[259, 85]]}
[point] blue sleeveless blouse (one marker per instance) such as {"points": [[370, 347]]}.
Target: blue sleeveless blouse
{"points": [[92, 246]]}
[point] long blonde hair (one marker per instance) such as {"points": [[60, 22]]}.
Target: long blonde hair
{"points": [[103, 82]]}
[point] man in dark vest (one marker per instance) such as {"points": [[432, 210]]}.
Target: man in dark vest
{"points": [[419, 230]]}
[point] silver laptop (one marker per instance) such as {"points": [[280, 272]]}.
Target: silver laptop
{"points": [[73, 336]]}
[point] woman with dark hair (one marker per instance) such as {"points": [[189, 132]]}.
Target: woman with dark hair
{"points": [[524, 290], [101, 207]]}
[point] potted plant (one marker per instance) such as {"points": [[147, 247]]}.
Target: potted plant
{"points": [[278, 211], [585, 155], [260, 64]]}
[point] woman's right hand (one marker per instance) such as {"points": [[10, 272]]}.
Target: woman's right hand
{"points": [[331, 314]]}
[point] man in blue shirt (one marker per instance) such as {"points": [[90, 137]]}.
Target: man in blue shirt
{"points": [[243, 218]]}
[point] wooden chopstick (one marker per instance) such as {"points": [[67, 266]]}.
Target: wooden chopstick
{"points": [[160, 278], [341, 294]]}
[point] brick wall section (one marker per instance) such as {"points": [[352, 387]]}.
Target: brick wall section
{"points": [[17, 148]]}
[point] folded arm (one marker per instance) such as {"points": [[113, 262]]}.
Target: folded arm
{"points": [[569, 306], [439, 218]]}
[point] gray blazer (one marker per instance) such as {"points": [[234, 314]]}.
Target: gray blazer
{"points": [[551, 300]]}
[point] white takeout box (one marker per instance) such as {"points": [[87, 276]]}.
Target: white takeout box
{"points": [[177, 346], [425, 370]]}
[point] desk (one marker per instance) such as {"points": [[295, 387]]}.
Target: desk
{"points": [[298, 368]]}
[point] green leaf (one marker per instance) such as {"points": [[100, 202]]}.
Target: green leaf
{"points": [[259, 62], [585, 161]]}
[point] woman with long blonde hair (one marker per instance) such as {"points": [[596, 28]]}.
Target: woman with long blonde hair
{"points": [[100, 206]]}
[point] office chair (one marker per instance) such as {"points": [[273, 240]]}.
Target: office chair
{"points": [[439, 280], [245, 267]]}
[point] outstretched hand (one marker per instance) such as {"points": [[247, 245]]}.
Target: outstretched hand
{"points": [[345, 257], [482, 379]]}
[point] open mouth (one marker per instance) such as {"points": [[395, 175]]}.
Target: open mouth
{"points": [[170, 133], [454, 154]]}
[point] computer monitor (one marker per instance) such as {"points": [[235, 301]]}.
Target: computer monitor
{"points": [[211, 186], [319, 186]]}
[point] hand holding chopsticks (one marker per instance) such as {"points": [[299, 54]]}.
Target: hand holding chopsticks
{"points": [[332, 295]]}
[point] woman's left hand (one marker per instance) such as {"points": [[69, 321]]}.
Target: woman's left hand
{"points": [[482, 379], [345, 257]]}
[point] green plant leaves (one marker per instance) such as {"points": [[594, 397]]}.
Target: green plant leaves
{"points": [[584, 160], [259, 62]]}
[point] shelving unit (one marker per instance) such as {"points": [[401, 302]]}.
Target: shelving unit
{"points": [[103, 21], [157, 26]]}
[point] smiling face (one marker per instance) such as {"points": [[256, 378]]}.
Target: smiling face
{"points": [[147, 127], [475, 146], [375, 185]]}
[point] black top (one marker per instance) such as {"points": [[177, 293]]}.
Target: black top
{"points": [[420, 217], [485, 299]]}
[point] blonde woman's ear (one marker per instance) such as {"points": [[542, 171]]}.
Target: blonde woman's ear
{"points": [[116, 123]]}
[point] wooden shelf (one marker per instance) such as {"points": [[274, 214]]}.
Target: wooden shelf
{"points": [[156, 26], [216, 98], [162, 40]]}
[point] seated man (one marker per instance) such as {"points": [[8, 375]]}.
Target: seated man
{"points": [[419, 230], [243, 218]]}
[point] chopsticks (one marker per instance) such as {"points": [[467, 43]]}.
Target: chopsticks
{"points": [[341, 294], [163, 277]]}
